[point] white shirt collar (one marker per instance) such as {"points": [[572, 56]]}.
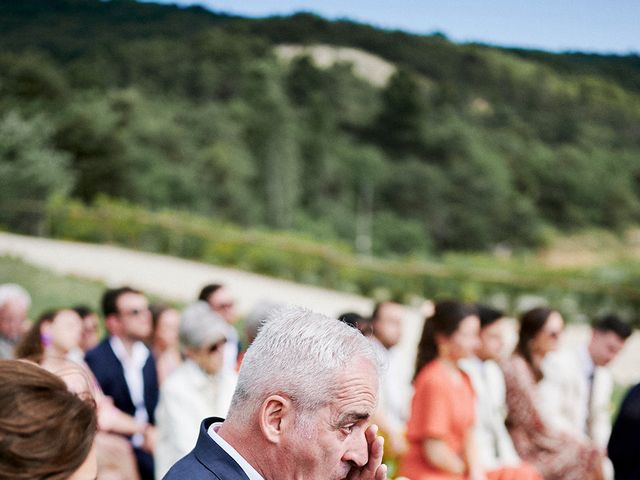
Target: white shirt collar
{"points": [[233, 453], [138, 357]]}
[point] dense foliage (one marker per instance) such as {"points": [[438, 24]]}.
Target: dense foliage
{"points": [[466, 147]]}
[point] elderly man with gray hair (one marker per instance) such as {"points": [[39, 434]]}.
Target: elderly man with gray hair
{"points": [[200, 387], [14, 305], [306, 391]]}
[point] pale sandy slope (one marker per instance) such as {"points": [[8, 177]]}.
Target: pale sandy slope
{"points": [[181, 280]]}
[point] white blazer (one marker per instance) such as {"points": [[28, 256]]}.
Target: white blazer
{"points": [[495, 447], [187, 397], [564, 398]]}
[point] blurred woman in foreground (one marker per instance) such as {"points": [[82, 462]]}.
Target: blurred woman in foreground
{"points": [[556, 456], [46, 432]]}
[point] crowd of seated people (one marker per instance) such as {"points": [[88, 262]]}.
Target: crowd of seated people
{"points": [[468, 410]]}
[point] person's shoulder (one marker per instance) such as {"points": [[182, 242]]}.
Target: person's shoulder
{"points": [[189, 467], [513, 364], [493, 369], [562, 363], [98, 352], [433, 373]]}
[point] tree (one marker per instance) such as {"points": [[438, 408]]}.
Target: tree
{"points": [[32, 171], [398, 128], [270, 135]]}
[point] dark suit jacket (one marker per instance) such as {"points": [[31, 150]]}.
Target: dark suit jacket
{"points": [[110, 375], [625, 438], [207, 461]]}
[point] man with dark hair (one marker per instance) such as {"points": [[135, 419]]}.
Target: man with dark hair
{"points": [[395, 394], [494, 447], [575, 393], [355, 320], [221, 301], [125, 368]]}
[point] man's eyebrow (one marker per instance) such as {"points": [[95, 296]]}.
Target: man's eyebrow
{"points": [[351, 417]]}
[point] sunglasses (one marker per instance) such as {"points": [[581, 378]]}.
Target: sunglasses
{"points": [[216, 346], [135, 312]]}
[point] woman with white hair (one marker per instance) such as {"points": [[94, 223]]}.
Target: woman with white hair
{"points": [[198, 388]]}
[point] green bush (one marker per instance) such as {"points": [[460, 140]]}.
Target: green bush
{"points": [[470, 277]]}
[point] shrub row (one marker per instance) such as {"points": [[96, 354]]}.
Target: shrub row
{"points": [[510, 283]]}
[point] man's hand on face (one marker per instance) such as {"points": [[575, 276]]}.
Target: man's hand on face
{"points": [[373, 469]]}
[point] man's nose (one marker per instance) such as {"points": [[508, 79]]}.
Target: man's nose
{"points": [[357, 452]]}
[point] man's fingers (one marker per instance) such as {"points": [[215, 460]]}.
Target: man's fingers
{"points": [[381, 472]]}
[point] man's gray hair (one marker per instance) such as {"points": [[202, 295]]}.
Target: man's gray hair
{"points": [[13, 291], [300, 354]]}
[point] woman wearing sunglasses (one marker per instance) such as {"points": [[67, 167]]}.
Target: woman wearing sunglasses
{"points": [[200, 387], [555, 455]]}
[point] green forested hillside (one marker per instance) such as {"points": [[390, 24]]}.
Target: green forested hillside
{"points": [[466, 147]]}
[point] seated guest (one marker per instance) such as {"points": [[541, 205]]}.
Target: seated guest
{"points": [[90, 327], [495, 448], [625, 438], [165, 342], [199, 388], [254, 321], [575, 392], [306, 392], [556, 455], [125, 368], [55, 334], [52, 342], [14, 305], [46, 431], [221, 301], [357, 321], [441, 433], [392, 413]]}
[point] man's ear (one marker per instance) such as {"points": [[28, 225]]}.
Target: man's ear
{"points": [[112, 322], [276, 415]]}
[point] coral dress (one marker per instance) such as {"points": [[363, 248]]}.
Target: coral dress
{"points": [[444, 408]]}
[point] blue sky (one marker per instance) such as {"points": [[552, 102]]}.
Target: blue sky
{"points": [[605, 26]]}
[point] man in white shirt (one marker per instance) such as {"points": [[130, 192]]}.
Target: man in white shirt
{"points": [[306, 391], [395, 394], [125, 368], [494, 445], [575, 393]]}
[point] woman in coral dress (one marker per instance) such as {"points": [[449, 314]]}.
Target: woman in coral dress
{"points": [[440, 430]]}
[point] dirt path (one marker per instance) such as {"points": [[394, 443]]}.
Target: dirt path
{"points": [[180, 279]]}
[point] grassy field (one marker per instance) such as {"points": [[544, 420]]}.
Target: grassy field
{"points": [[48, 289]]}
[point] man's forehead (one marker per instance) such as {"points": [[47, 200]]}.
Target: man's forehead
{"points": [[131, 298], [608, 337], [222, 293], [357, 389]]}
